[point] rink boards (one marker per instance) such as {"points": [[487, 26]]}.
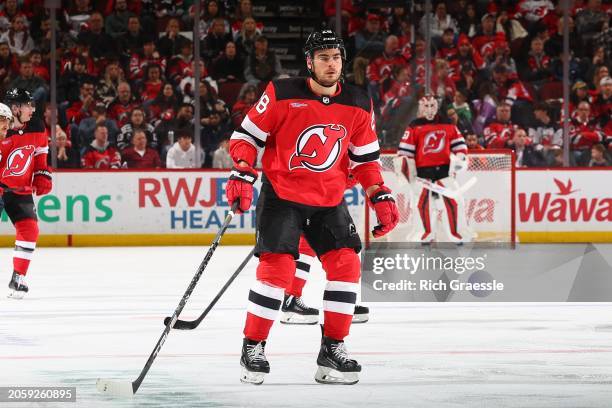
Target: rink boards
{"points": [[126, 208]]}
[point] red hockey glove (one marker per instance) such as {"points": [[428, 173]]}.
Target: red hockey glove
{"points": [[386, 211], [351, 181], [42, 182], [240, 187]]}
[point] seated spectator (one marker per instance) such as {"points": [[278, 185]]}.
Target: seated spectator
{"points": [[463, 125], [221, 156], [132, 40], [537, 70], [100, 154], [599, 156], [214, 43], [447, 50], [106, 89], [38, 67], [525, 154], [243, 11], [186, 84], [471, 140], [79, 13], [142, 59], [9, 66], [439, 21], [9, 11], [380, 69], [590, 21], [211, 103], [183, 154], [137, 122], [245, 40], [18, 37], [100, 44], [165, 104], [212, 133], [418, 66], [484, 41], [80, 49], [172, 42], [399, 92], [467, 20], [557, 158], [442, 85], [168, 127], [116, 24], [583, 134], [246, 99], [152, 84], [554, 45], [369, 43], [181, 65], [602, 105], [84, 133], [28, 81], [263, 65], [580, 93], [211, 11], [501, 56], [501, 129], [462, 107], [119, 110], [513, 91], [67, 156], [545, 132], [69, 82], [467, 62], [139, 155], [84, 106], [484, 107], [229, 66]]}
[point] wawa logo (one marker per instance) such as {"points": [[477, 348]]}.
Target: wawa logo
{"points": [[563, 206], [318, 147]]}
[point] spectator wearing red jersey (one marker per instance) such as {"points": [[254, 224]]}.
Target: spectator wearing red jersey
{"points": [[501, 129], [538, 69], [484, 41], [9, 67], [180, 65], [418, 62], [533, 11], [511, 90], [501, 56], [165, 104], [583, 134], [152, 84], [148, 56], [406, 38], [348, 9], [442, 85], [602, 106], [467, 62], [246, 100], [100, 154], [119, 110], [83, 107], [369, 43], [380, 69], [139, 155], [39, 69], [447, 50]]}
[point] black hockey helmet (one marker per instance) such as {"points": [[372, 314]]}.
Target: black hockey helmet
{"points": [[322, 40], [16, 96]]}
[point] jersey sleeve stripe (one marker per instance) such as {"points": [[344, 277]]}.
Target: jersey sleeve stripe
{"points": [[405, 152], [407, 146], [364, 158], [244, 135], [361, 150], [253, 129], [41, 150], [459, 146]]}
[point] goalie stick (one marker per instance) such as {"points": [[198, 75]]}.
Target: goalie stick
{"points": [[129, 389], [437, 188], [192, 324]]}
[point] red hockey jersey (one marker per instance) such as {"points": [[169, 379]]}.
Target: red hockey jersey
{"points": [[22, 153], [431, 143], [310, 141]]}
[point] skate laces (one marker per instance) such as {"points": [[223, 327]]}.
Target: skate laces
{"points": [[300, 303], [256, 352], [339, 351]]}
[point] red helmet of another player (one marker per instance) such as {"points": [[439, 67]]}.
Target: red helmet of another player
{"points": [[428, 107]]}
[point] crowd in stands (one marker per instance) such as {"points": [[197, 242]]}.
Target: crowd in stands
{"points": [[125, 74]]}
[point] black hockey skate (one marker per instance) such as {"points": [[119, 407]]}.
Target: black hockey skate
{"points": [[295, 311], [361, 315], [253, 361], [17, 286], [335, 367]]}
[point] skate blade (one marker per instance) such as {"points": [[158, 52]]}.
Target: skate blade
{"points": [[15, 294], [361, 318], [251, 377], [294, 318], [326, 375]]}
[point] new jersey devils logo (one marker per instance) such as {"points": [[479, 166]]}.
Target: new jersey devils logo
{"points": [[434, 141], [18, 161], [318, 147]]}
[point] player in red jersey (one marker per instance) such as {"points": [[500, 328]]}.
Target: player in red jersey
{"points": [[23, 163], [313, 131], [425, 152]]}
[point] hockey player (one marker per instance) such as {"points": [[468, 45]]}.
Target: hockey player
{"points": [[425, 152], [24, 171], [313, 130], [6, 117]]}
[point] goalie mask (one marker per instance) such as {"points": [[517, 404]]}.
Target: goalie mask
{"points": [[428, 107]]}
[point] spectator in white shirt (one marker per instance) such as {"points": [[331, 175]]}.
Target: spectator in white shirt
{"points": [[183, 154]]}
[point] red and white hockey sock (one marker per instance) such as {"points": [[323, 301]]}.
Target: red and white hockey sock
{"points": [[338, 306], [25, 244], [302, 269]]}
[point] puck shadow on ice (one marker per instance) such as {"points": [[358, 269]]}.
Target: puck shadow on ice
{"points": [[480, 277]]}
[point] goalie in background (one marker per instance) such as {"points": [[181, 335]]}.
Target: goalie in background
{"points": [[429, 156]]}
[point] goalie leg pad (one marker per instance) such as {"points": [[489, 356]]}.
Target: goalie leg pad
{"points": [[424, 212]]}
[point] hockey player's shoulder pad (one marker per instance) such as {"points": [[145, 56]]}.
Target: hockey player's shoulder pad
{"points": [[358, 96], [291, 88], [35, 125]]}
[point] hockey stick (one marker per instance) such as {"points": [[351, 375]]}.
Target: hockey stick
{"points": [[128, 389], [192, 324], [445, 191]]}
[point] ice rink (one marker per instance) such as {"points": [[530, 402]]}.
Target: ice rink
{"points": [[97, 312]]}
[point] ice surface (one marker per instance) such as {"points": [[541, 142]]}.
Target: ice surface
{"points": [[97, 312]]}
